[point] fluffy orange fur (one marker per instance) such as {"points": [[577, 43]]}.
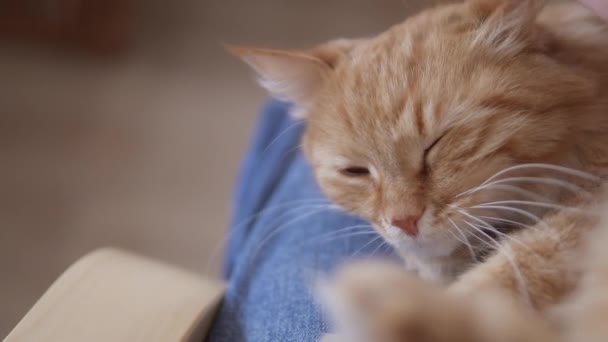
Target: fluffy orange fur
{"points": [[486, 119]]}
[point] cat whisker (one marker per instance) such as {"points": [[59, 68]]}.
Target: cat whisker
{"points": [[367, 244], [384, 244], [534, 226], [493, 229], [344, 236], [533, 204], [290, 151], [286, 225], [466, 214], [558, 168], [466, 241], [288, 211], [303, 202], [527, 214], [367, 227], [508, 253], [518, 223], [513, 189], [295, 204], [490, 242], [290, 127], [340, 232], [539, 180]]}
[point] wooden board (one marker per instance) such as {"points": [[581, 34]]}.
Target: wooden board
{"points": [[112, 295]]}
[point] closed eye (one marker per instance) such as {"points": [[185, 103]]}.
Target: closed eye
{"points": [[428, 150], [355, 171]]}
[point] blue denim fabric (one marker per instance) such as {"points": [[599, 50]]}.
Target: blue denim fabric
{"points": [[270, 272]]}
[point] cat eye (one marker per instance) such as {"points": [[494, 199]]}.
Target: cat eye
{"points": [[355, 171], [428, 150]]}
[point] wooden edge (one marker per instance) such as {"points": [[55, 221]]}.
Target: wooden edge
{"points": [[112, 295]]}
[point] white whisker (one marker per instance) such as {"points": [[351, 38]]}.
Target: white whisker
{"points": [[383, 244], [523, 288], [514, 189], [533, 204], [286, 225], [541, 180], [287, 212], [367, 244], [303, 202], [295, 204], [346, 235], [516, 210], [557, 168], [491, 228], [466, 241], [293, 125], [339, 232], [494, 246], [504, 220]]}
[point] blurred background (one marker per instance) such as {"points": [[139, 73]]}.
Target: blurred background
{"points": [[123, 122]]}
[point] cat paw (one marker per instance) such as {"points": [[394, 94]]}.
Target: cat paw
{"points": [[380, 302]]}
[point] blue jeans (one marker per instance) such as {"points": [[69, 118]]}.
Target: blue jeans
{"points": [[284, 233]]}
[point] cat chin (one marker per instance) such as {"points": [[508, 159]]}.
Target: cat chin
{"points": [[428, 257], [423, 247]]}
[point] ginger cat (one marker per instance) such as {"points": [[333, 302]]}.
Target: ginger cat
{"points": [[474, 136]]}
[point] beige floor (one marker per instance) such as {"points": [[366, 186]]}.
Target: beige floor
{"points": [[140, 152]]}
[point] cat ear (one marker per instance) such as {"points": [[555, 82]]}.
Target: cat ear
{"points": [[294, 76], [509, 25]]}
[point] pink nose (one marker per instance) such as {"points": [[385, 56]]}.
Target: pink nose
{"points": [[408, 224]]}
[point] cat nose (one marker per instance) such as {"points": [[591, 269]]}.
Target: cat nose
{"points": [[408, 224]]}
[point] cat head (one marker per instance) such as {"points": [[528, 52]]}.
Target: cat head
{"points": [[403, 128]]}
